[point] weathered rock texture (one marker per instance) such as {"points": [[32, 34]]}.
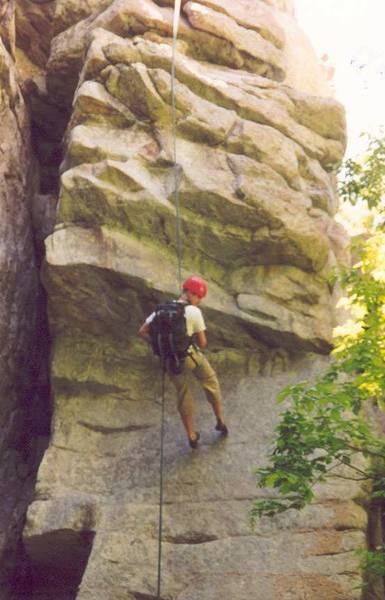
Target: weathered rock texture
{"points": [[283, 5], [19, 360], [7, 25], [258, 141], [255, 158], [101, 477], [33, 28]]}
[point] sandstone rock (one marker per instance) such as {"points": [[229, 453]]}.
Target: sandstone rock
{"points": [[93, 104], [26, 68], [252, 99], [251, 42], [257, 196], [258, 56], [285, 295], [70, 12], [34, 28], [88, 248], [206, 529], [68, 47], [118, 166], [43, 215], [304, 71], [322, 115], [257, 17], [284, 5], [316, 182], [18, 315], [48, 122], [7, 25], [325, 516]]}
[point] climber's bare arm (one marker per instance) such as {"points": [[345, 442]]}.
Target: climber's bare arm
{"points": [[201, 339], [144, 332]]}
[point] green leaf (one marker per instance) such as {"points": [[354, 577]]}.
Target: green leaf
{"points": [[325, 424]]}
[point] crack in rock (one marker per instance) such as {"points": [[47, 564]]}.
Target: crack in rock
{"points": [[111, 430]]}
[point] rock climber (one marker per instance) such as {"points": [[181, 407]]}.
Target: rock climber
{"points": [[194, 289]]}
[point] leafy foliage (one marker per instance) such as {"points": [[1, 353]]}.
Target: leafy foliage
{"points": [[365, 179], [324, 430], [373, 561]]}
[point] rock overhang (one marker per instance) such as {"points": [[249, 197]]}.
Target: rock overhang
{"points": [[118, 269], [253, 160]]}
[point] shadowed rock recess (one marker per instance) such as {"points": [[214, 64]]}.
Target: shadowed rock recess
{"points": [[258, 141], [23, 386]]}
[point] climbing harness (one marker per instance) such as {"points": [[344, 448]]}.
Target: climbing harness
{"points": [[176, 170]]}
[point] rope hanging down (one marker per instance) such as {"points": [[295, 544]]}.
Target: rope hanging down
{"points": [[160, 527], [176, 167], [176, 170]]}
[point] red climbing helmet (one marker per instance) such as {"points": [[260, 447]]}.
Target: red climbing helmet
{"points": [[196, 285]]}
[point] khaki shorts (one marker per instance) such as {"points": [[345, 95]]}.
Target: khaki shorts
{"points": [[199, 366]]}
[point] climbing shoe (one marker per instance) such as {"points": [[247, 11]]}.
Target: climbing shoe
{"points": [[222, 428], [194, 441]]}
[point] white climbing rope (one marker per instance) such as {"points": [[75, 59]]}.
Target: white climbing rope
{"points": [[176, 169], [160, 526]]}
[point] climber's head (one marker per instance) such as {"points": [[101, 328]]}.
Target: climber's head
{"points": [[195, 289]]}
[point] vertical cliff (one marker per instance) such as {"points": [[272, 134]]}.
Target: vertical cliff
{"points": [[24, 384], [258, 143], [18, 314]]}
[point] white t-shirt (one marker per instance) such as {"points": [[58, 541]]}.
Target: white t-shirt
{"points": [[194, 319]]}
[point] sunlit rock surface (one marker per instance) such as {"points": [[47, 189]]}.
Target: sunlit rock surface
{"points": [[258, 141], [255, 158], [101, 477]]}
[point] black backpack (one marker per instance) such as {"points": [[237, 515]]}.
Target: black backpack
{"points": [[168, 333]]}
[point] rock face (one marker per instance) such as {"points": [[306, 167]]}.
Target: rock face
{"points": [[258, 140], [33, 28], [18, 313], [7, 25], [98, 494], [282, 5], [255, 158]]}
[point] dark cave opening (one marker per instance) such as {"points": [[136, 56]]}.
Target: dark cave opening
{"points": [[53, 565]]}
